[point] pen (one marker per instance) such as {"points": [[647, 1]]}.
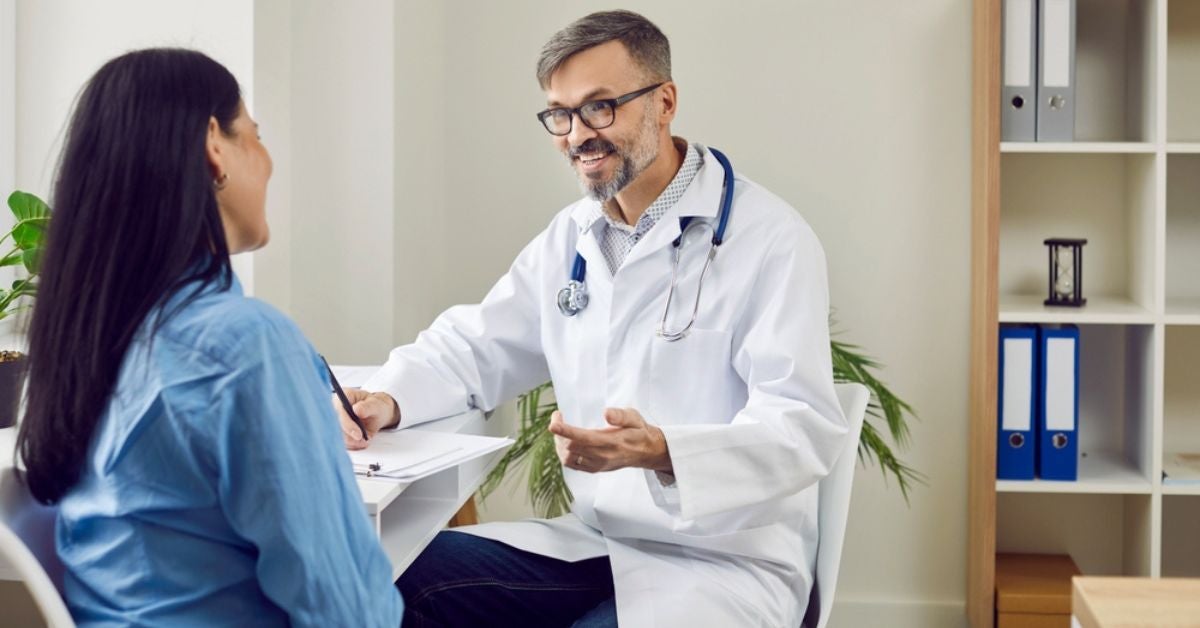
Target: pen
{"points": [[337, 388]]}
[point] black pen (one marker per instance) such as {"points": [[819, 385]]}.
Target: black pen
{"points": [[337, 388]]}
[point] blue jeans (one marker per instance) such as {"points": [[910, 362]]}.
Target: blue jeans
{"points": [[466, 580]]}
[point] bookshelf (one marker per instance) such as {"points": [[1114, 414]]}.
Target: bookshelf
{"points": [[1130, 184]]}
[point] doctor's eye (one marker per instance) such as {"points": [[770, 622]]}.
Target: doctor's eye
{"points": [[557, 121], [598, 112]]}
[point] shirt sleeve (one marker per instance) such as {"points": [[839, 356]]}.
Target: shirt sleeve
{"points": [[791, 430], [473, 356], [287, 487]]}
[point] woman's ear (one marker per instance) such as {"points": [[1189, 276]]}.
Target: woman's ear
{"points": [[213, 149]]}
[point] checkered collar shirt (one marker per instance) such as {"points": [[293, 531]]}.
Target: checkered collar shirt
{"points": [[617, 239]]}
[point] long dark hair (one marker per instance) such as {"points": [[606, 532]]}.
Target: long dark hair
{"points": [[135, 219]]}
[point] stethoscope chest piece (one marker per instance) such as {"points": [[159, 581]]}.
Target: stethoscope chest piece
{"points": [[573, 298]]}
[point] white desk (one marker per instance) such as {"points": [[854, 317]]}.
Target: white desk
{"points": [[406, 515]]}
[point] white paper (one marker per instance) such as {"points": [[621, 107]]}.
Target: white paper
{"points": [[410, 455], [1018, 384], [1018, 40], [1060, 384], [1056, 58]]}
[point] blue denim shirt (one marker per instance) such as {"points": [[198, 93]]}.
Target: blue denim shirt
{"points": [[217, 491]]}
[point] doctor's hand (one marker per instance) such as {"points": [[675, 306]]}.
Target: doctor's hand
{"points": [[627, 441], [376, 410]]}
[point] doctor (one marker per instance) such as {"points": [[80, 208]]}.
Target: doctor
{"points": [[691, 367]]}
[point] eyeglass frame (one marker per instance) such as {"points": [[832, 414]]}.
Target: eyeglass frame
{"points": [[613, 103]]}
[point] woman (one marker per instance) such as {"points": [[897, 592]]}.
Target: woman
{"points": [[184, 430]]}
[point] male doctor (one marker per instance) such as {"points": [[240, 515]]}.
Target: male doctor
{"points": [[693, 462]]}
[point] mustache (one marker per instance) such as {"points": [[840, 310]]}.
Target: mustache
{"points": [[593, 145]]}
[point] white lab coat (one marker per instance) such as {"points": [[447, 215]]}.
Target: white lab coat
{"points": [[746, 402]]}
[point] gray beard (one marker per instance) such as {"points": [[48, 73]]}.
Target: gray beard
{"points": [[603, 191], [633, 164]]}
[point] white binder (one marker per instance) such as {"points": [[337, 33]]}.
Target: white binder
{"points": [[1056, 71], [1018, 98]]}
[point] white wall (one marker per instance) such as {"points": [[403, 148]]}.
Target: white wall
{"points": [[8, 101], [343, 164], [61, 43], [858, 114]]}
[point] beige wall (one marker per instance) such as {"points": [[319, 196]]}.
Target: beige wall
{"points": [[855, 112]]}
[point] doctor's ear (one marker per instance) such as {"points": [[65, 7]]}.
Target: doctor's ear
{"points": [[667, 100]]}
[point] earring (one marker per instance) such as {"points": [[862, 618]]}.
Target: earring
{"points": [[220, 182]]}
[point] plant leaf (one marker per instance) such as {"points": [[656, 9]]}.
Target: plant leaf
{"points": [[32, 258], [26, 206], [12, 259], [33, 216]]}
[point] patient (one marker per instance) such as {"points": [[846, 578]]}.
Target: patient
{"points": [[184, 430]]}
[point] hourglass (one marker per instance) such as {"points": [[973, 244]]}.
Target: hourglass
{"points": [[1066, 271]]}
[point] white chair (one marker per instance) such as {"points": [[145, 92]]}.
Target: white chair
{"points": [[27, 546], [834, 508]]}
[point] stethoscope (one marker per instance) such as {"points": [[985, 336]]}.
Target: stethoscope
{"points": [[573, 298]]}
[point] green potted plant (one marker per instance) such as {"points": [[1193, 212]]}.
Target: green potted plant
{"points": [[550, 496], [31, 217]]}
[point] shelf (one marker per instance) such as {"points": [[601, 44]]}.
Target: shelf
{"points": [[1183, 228], [1183, 148], [1098, 473], [1183, 311], [1097, 311], [1107, 198], [1180, 544], [1181, 489], [1077, 147]]}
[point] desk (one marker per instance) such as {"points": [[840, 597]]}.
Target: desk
{"points": [[1109, 602], [406, 516]]}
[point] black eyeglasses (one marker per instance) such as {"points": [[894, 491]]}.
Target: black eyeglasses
{"points": [[596, 114]]}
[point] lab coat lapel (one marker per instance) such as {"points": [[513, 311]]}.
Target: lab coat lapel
{"points": [[701, 200]]}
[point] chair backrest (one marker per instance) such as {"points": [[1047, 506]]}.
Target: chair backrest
{"points": [[27, 546], [834, 507]]}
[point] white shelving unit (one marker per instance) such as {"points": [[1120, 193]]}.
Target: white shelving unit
{"points": [[1131, 186]]}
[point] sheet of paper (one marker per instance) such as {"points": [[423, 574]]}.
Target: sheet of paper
{"points": [[413, 454]]}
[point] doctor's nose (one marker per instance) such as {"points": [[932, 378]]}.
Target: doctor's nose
{"points": [[580, 132]]}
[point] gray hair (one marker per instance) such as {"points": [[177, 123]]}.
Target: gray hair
{"points": [[645, 43]]}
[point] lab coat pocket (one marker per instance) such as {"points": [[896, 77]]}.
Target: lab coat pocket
{"points": [[690, 379]]}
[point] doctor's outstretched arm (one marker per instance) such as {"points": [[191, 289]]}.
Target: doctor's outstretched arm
{"points": [[472, 356]]}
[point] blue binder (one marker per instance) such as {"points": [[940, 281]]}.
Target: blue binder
{"points": [[1015, 443], [1058, 404]]}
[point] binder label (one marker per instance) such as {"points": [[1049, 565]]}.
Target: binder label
{"points": [[1018, 389], [1060, 384], [1018, 54], [1056, 61]]}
